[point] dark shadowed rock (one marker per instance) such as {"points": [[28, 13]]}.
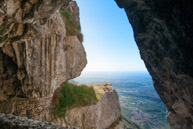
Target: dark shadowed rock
{"points": [[163, 31]]}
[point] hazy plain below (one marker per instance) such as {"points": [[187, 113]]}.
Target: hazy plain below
{"points": [[138, 98]]}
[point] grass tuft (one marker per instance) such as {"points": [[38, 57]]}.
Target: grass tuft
{"points": [[72, 26], [66, 13], [71, 96]]}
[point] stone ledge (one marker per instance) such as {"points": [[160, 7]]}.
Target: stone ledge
{"points": [[14, 122]]}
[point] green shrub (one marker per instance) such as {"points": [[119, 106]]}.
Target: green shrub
{"points": [[66, 13], [72, 25], [71, 96]]}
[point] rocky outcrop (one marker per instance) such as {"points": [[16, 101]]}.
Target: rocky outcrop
{"points": [[36, 54], [163, 33], [36, 66], [22, 20], [41, 47], [14, 122], [97, 116]]}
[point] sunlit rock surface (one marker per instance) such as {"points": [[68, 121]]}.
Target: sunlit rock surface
{"points": [[36, 66], [100, 115], [36, 55], [38, 52]]}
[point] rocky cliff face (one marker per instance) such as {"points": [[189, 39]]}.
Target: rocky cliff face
{"points": [[35, 66], [36, 54], [163, 33], [101, 115], [41, 47], [22, 20], [97, 116]]}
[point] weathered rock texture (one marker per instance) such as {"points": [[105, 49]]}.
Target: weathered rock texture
{"points": [[40, 48], [36, 54], [163, 33], [21, 20], [13, 122], [98, 116], [36, 66]]}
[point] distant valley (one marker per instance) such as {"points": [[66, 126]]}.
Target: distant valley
{"points": [[139, 101]]}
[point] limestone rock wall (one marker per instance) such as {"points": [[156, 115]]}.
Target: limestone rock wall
{"points": [[37, 53], [36, 66], [21, 20], [97, 116], [32, 68], [163, 33]]}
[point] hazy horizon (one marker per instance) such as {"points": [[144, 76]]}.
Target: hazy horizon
{"points": [[112, 74]]}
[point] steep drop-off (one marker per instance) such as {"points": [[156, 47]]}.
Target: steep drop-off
{"points": [[163, 33]]}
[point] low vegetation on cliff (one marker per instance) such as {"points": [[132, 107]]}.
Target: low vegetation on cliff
{"points": [[71, 96], [72, 26]]}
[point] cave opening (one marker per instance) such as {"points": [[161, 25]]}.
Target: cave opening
{"points": [[113, 57]]}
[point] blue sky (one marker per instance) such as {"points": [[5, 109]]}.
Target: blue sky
{"points": [[108, 37]]}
